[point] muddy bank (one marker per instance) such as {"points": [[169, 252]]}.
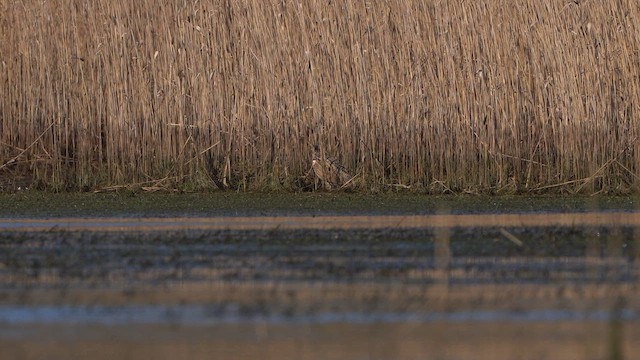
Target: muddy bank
{"points": [[42, 204]]}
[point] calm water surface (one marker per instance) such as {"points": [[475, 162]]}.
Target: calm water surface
{"points": [[305, 283]]}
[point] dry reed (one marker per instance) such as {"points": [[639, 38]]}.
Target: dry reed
{"points": [[495, 96]]}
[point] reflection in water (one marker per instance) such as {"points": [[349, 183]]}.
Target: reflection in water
{"points": [[347, 222], [210, 315], [442, 254], [438, 286], [556, 340]]}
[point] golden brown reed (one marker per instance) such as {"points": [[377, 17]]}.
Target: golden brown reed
{"points": [[493, 96]]}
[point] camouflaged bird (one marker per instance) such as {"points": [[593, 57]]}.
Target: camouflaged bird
{"points": [[331, 174]]}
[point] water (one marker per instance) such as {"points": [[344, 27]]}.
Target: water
{"points": [[493, 286], [371, 222], [208, 315]]}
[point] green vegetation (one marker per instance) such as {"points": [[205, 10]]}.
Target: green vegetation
{"points": [[42, 204], [437, 97]]}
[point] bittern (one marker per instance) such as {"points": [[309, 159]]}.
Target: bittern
{"points": [[329, 171]]}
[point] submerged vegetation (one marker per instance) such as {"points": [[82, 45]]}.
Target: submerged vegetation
{"points": [[440, 96]]}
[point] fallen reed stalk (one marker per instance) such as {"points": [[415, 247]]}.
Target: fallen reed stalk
{"points": [[491, 96]]}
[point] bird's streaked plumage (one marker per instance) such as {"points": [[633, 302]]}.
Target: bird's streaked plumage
{"points": [[329, 171]]}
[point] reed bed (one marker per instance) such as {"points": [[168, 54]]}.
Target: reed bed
{"points": [[440, 96]]}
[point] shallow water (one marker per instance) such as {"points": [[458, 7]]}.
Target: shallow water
{"points": [[264, 340], [208, 315], [429, 280], [323, 222]]}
